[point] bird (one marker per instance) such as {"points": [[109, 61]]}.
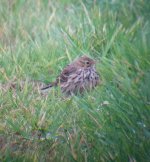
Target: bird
{"points": [[77, 77]]}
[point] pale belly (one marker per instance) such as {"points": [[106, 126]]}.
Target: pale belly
{"points": [[82, 80]]}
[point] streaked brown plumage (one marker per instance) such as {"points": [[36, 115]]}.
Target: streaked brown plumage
{"points": [[77, 77]]}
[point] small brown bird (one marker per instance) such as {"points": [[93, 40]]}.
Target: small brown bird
{"points": [[77, 77]]}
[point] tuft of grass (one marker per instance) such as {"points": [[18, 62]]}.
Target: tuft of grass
{"points": [[38, 39]]}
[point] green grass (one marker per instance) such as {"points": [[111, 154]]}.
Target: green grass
{"points": [[39, 38]]}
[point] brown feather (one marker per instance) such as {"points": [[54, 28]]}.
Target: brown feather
{"points": [[78, 76]]}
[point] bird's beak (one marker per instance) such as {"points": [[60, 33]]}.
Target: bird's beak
{"points": [[93, 62]]}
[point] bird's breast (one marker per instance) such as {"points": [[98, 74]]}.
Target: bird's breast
{"points": [[83, 79]]}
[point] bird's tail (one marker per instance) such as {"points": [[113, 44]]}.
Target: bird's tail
{"points": [[49, 86]]}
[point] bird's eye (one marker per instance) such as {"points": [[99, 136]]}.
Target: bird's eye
{"points": [[87, 62]]}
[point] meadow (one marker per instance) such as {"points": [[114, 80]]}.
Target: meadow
{"points": [[37, 40]]}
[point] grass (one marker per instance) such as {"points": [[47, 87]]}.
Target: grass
{"points": [[39, 38]]}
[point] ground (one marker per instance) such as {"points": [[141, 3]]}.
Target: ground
{"points": [[37, 40]]}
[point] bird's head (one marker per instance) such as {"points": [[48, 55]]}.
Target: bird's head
{"points": [[85, 62]]}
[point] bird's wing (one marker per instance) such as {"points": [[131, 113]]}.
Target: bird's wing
{"points": [[63, 77]]}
